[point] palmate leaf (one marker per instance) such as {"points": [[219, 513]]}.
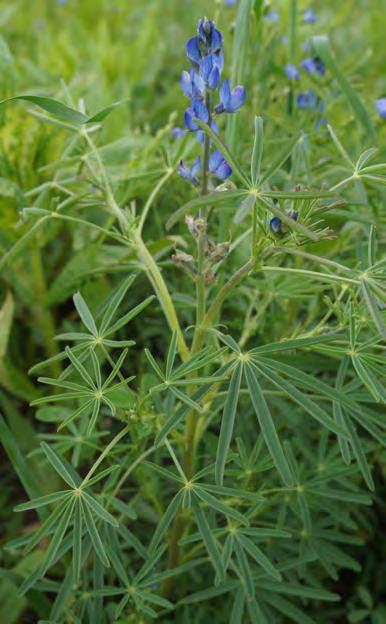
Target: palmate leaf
{"points": [[165, 521], [302, 399], [217, 505], [62, 111], [254, 551], [227, 422], [267, 426], [208, 539]]}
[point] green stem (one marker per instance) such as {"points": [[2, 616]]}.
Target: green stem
{"points": [[161, 291], [106, 451], [225, 291]]}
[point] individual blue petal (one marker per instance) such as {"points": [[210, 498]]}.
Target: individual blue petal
{"points": [[193, 51], [292, 72], [192, 84], [223, 171], [177, 133], [219, 60], [218, 166], [196, 166], [309, 17], [198, 110], [225, 92], [209, 72], [216, 42], [190, 173], [186, 84], [380, 106], [215, 160], [238, 96], [231, 101]]}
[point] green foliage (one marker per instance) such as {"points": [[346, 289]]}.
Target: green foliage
{"points": [[207, 439]]}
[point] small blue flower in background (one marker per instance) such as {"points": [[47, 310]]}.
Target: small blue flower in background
{"points": [[231, 101], [380, 106], [61, 2], [230, 2], [196, 109], [309, 17], [292, 72], [276, 224], [192, 85], [177, 133], [308, 100], [190, 173], [313, 65], [272, 16], [219, 166]]}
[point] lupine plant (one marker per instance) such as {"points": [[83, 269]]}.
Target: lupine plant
{"points": [[210, 422]]}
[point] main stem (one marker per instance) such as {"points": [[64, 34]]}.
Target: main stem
{"points": [[188, 458]]}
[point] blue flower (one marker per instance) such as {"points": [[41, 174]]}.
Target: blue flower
{"points": [[276, 224], [292, 72], [279, 228], [192, 85], [193, 51], [307, 100], [380, 106], [190, 173], [309, 17], [210, 72], [272, 16], [177, 133], [196, 109], [219, 166], [209, 36], [207, 41], [313, 65], [230, 2], [231, 101]]}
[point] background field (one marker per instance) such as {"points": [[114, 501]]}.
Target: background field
{"points": [[90, 53]]}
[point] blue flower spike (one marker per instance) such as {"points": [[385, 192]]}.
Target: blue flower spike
{"points": [[380, 106], [231, 101], [190, 173], [205, 53], [218, 166]]}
